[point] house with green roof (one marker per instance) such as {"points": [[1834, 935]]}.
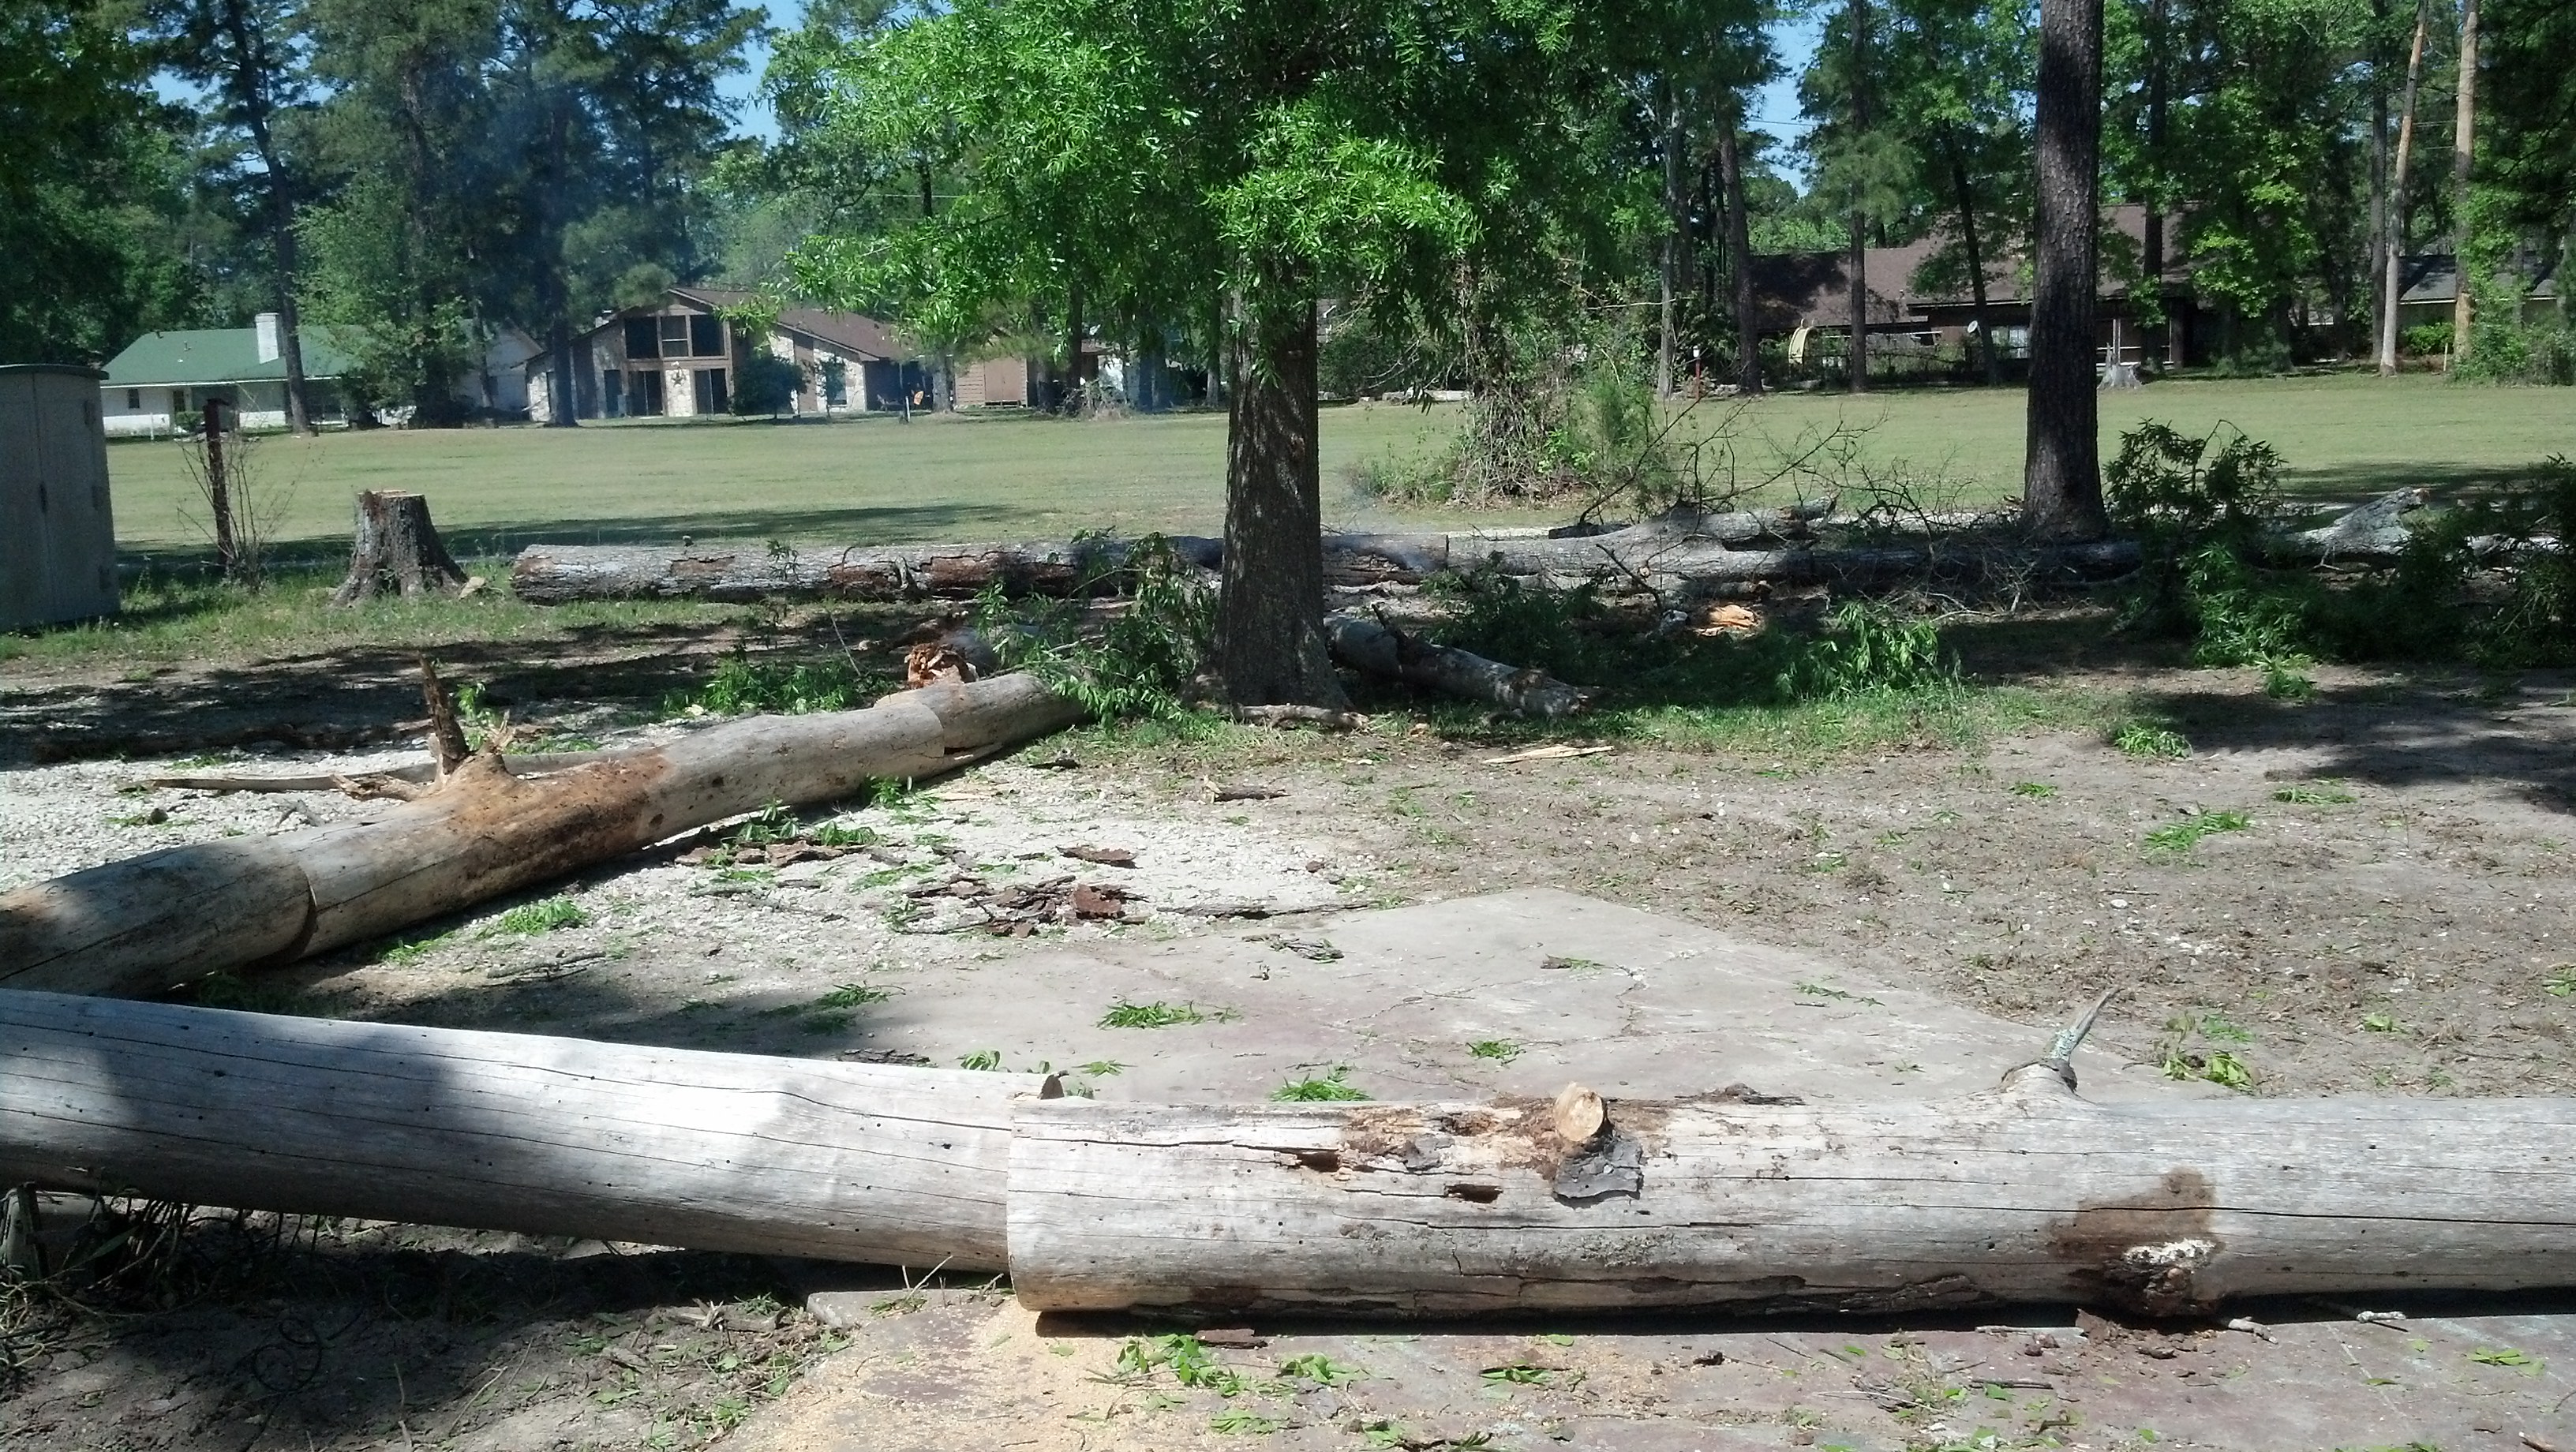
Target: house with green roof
{"points": [[161, 383]]}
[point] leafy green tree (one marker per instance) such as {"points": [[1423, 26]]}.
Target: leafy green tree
{"points": [[1957, 75], [1148, 156], [93, 163]]}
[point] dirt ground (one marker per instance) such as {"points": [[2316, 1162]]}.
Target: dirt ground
{"points": [[2392, 915]]}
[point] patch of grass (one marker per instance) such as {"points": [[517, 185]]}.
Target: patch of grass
{"points": [[531, 918], [2283, 680], [2149, 742], [1158, 1014], [2561, 981], [1501, 1051], [2038, 791], [1328, 1089], [985, 1060], [2178, 838], [2505, 1356], [1516, 1373], [2323, 794], [1320, 1369], [405, 952], [1236, 1421], [1100, 1068], [740, 686], [2378, 1023]]}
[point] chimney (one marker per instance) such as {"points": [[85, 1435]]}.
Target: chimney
{"points": [[266, 326]]}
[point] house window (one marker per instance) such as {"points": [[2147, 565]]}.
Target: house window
{"points": [[134, 400], [611, 403], [640, 339], [710, 386], [644, 394], [178, 401], [706, 335], [675, 335]]}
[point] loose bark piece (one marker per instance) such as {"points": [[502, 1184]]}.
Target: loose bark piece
{"points": [[1100, 856], [1245, 792], [123, 929], [397, 550], [1382, 650], [2027, 1194], [1546, 753], [550, 1136], [1315, 716]]}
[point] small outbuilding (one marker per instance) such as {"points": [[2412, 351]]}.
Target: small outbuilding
{"points": [[57, 534]]}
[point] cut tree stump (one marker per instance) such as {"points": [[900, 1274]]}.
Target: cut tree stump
{"points": [[152, 922], [397, 551], [493, 1131], [2027, 1194]]}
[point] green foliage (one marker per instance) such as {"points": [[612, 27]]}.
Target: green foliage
{"points": [[1871, 650], [1158, 1014], [765, 384], [1142, 659], [982, 1060], [2178, 838], [1501, 1051], [740, 686], [2148, 741], [546, 916], [2425, 340], [1328, 1089]]}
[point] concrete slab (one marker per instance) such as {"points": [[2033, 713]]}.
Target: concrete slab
{"points": [[1633, 1004]]}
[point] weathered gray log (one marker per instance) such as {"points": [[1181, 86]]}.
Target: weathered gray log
{"points": [[148, 923], [1383, 651], [530, 763], [2028, 1194], [2375, 532], [548, 1136]]}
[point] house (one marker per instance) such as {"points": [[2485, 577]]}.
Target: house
{"points": [[680, 356], [2429, 287], [1806, 298], [161, 382]]}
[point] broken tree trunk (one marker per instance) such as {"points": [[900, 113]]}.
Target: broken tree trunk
{"points": [[1382, 650], [149, 923], [397, 551], [2027, 1194], [549, 1136]]}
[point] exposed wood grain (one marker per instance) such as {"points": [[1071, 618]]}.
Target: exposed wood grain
{"points": [[548, 1136], [2028, 1194]]}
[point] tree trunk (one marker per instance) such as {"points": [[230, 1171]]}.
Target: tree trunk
{"points": [[554, 283], [1739, 261], [2159, 61], [397, 550], [1073, 361], [2026, 1194], [2375, 270], [219, 489], [547, 1136], [1668, 270], [2464, 132], [1966, 193], [2062, 472], [1391, 654], [1270, 620], [1858, 356], [2397, 194], [149, 923]]}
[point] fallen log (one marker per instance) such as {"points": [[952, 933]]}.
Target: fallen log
{"points": [[533, 763], [1391, 654], [148, 923], [2027, 1194], [548, 1136]]}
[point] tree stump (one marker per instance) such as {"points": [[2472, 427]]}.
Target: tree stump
{"points": [[397, 550]]}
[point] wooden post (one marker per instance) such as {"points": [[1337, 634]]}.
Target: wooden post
{"points": [[549, 1136], [219, 494]]}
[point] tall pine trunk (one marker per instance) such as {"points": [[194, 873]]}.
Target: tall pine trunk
{"points": [[1270, 618], [2062, 467], [2397, 194], [1739, 261], [1858, 356], [2377, 269], [252, 90], [2464, 134]]}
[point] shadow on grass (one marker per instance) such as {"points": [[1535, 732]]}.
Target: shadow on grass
{"points": [[2360, 481]]}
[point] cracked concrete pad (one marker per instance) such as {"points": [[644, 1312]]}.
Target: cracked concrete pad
{"points": [[1557, 986]]}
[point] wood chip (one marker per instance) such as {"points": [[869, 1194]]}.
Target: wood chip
{"points": [[1579, 1114], [1103, 856], [1547, 753], [1242, 1337], [1098, 902]]}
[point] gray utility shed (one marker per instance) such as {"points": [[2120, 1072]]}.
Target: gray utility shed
{"points": [[57, 537]]}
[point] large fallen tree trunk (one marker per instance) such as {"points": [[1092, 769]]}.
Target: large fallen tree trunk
{"points": [[2030, 1194], [550, 1136], [1672, 556], [148, 923]]}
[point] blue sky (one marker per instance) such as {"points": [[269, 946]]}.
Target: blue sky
{"points": [[1775, 108]]}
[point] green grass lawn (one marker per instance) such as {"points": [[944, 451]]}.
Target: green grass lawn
{"points": [[879, 480]]}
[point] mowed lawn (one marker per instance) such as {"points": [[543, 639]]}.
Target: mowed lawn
{"points": [[881, 480]]}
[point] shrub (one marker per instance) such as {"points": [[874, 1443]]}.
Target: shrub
{"points": [[2425, 340], [1143, 660]]}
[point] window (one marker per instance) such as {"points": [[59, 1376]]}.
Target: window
{"points": [[675, 335], [706, 335], [644, 394], [610, 404], [178, 401], [640, 339], [710, 387], [134, 400]]}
